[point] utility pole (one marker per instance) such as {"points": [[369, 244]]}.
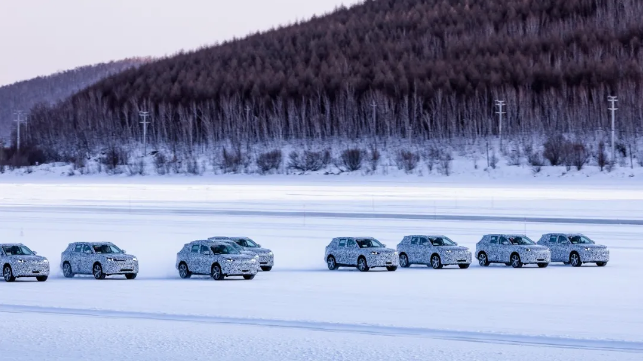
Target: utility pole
{"points": [[500, 104], [613, 108], [144, 115], [18, 120]]}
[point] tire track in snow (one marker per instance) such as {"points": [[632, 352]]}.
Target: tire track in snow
{"points": [[318, 214], [463, 336]]}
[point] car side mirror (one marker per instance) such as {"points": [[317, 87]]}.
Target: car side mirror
{"points": [[124, 251], [35, 253], [258, 245], [383, 245]]}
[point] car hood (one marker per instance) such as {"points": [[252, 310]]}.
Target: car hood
{"points": [[120, 256], [452, 248], [31, 258], [238, 257], [261, 250], [534, 247], [380, 250], [591, 246]]}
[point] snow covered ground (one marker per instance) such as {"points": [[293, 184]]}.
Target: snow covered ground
{"points": [[301, 310]]}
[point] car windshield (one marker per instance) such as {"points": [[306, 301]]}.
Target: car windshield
{"points": [[520, 240], [580, 240], [224, 249], [442, 241], [17, 251], [106, 249], [369, 243], [235, 246], [250, 243]]}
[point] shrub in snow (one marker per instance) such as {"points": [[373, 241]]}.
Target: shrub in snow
{"points": [[513, 158], [233, 160], [352, 159], [407, 160], [136, 168], [269, 161], [431, 157], [309, 160], [192, 167], [113, 158], [556, 148], [374, 158], [445, 164], [578, 155], [161, 164], [601, 156]]}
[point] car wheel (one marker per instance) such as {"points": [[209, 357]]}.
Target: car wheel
{"points": [[404, 261], [574, 260], [483, 260], [97, 271], [184, 272], [216, 273], [543, 265], [391, 268], [248, 277], [7, 273], [362, 266], [42, 278], [67, 272], [130, 276], [266, 268], [436, 262], [464, 265], [601, 264], [332, 264], [515, 261]]}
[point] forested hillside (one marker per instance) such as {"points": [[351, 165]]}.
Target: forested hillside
{"points": [[22, 96], [384, 69]]}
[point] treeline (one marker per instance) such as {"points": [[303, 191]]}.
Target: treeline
{"points": [[403, 69], [23, 95]]}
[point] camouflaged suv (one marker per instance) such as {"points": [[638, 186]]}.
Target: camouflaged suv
{"points": [[100, 259], [574, 249], [433, 251], [19, 261], [361, 252], [215, 259], [512, 250]]}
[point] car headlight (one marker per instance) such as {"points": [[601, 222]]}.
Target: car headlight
{"points": [[448, 251], [587, 249], [45, 260], [269, 253], [375, 252], [253, 260], [135, 259], [528, 250], [110, 259], [395, 253], [21, 261], [230, 260]]}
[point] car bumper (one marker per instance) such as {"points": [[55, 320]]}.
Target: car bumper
{"points": [[266, 260], [595, 256], [456, 258], [115, 268], [240, 268], [383, 260], [30, 269], [535, 257]]}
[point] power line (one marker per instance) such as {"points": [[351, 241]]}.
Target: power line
{"points": [[144, 115], [613, 108], [18, 120], [500, 104]]}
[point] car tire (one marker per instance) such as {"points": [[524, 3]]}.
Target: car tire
{"points": [[248, 277], [464, 265], [404, 261], [67, 272], [266, 268], [391, 268], [184, 272], [97, 271], [574, 259], [483, 260], [130, 276], [436, 262], [362, 266], [216, 273], [543, 265], [601, 264], [41, 278], [331, 263], [515, 260], [7, 273]]}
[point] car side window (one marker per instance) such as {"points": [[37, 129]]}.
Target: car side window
{"points": [[78, 248], [87, 249], [204, 249], [342, 243], [423, 241], [562, 240], [414, 240], [195, 248], [351, 243], [553, 239], [494, 240], [504, 240], [243, 243]]}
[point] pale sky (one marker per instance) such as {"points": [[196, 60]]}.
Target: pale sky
{"points": [[40, 37]]}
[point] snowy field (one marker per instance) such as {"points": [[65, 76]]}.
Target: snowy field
{"points": [[302, 311]]}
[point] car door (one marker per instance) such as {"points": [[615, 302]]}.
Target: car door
{"points": [[505, 248], [492, 248], [554, 248], [340, 251], [74, 257], [352, 252], [85, 260], [413, 253], [205, 259], [563, 248], [425, 249], [193, 258]]}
